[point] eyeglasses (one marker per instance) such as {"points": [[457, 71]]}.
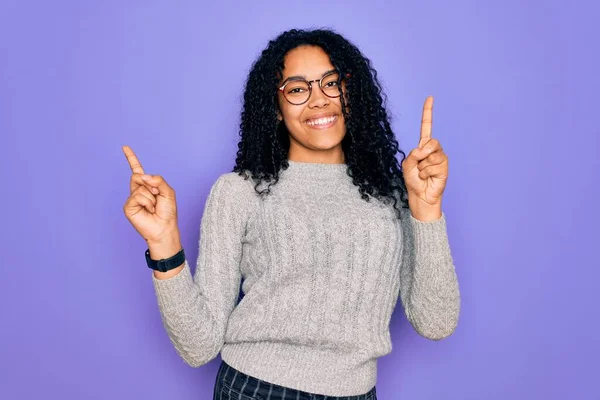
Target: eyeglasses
{"points": [[297, 90]]}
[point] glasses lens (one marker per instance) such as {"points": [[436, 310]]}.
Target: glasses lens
{"points": [[296, 92], [330, 84]]}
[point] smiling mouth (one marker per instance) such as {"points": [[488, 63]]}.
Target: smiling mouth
{"points": [[324, 122]]}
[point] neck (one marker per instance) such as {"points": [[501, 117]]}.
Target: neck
{"points": [[303, 155]]}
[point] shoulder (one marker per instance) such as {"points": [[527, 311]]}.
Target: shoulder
{"points": [[239, 188], [236, 181], [231, 198]]}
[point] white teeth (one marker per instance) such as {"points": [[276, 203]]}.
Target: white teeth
{"points": [[321, 121]]}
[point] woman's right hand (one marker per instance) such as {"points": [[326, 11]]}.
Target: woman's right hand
{"points": [[151, 207]]}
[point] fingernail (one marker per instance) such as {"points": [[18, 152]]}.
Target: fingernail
{"points": [[146, 177], [155, 190]]}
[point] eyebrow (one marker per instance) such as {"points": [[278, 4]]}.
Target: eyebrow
{"points": [[304, 76]]}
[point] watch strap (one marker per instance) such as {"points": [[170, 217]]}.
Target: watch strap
{"points": [[165, 264]]}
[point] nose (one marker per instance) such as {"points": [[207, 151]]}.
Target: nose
{"points": [[318, 99]]}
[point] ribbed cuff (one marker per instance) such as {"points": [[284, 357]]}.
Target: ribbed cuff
{"points": [[430, 236], [171, 293]]}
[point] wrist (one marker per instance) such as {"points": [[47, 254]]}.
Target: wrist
{"points": [[425, 212], [165, 248]]}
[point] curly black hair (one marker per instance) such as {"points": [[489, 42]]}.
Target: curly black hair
{"points": [[369, 145]]}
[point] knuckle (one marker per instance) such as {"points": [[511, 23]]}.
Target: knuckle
{"points": [[144, 191], [129, 202]]}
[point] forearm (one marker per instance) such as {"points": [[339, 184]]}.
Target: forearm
{"points": [[184, 311], [434, 303], [194, 324], [430, 286]]}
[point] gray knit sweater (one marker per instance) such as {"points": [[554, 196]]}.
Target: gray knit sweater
{"points": [[322, 270]]}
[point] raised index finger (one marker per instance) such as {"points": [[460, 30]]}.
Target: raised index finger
{"points": [[426, 120], [134, 163]]}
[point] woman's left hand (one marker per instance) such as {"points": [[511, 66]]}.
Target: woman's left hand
{"points": [[425, 171]]}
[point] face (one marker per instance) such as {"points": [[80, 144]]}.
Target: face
{"points": [[316, 127]]}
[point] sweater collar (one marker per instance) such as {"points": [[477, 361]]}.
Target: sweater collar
{"points": [[316, 170]]}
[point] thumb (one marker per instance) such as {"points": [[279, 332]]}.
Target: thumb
{"points": [[159, 182]]}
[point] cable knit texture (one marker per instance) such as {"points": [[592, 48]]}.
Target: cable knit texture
{"points": [[321, 271]]}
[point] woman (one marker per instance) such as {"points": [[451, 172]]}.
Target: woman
{"points": [[321, 222]]}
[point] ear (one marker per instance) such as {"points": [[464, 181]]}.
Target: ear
{"points": [[279, 116]]}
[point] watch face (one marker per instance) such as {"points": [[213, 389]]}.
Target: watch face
{"points": [[152, 263]]}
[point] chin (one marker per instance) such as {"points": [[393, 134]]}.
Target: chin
{"points": [[325, 145], [322, 140]]}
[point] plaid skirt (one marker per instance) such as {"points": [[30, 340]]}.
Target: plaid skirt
{"points": [[232, 384]]}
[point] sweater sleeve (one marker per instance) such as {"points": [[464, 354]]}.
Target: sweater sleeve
{"points": [[195, 310], [428, 283]]}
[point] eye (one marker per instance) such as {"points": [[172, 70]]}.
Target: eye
{"points": [[331, 84], [296, 90]]}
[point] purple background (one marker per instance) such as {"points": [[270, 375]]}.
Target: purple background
{"points": [[515, 87]]}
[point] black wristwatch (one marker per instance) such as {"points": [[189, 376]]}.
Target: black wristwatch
{"points": [[166, 263]]}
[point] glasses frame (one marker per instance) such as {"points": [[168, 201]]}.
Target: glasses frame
{"points": [[299, 79]]}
